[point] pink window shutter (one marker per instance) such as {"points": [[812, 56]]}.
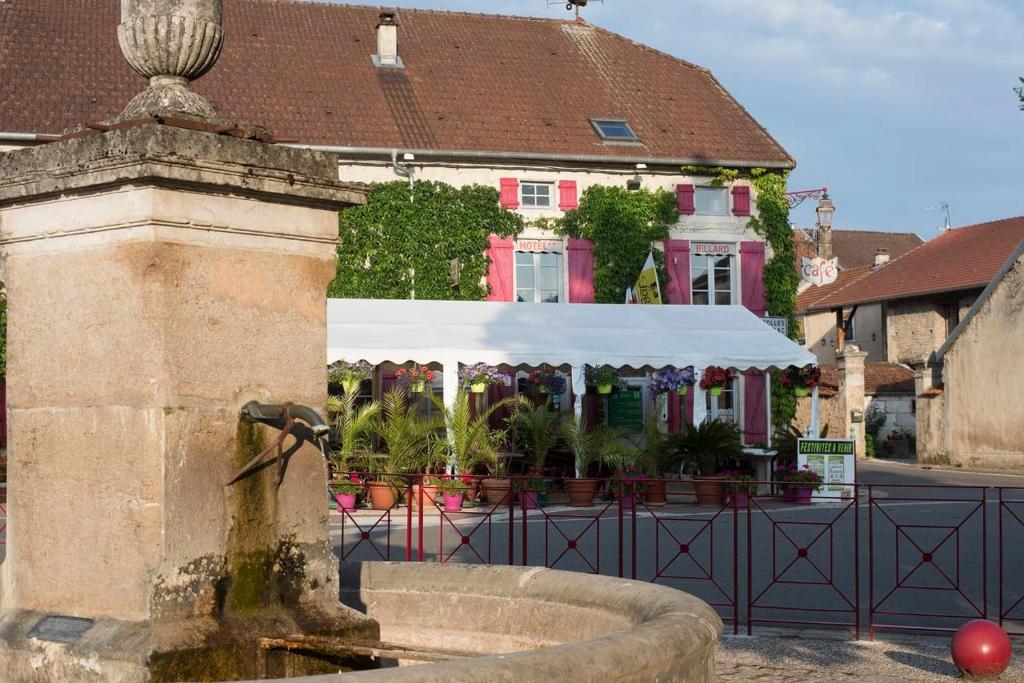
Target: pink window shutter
{"points": [[677, 261], [741, 200], [685, 199], [688, 408], [499, 272], [752, 276], [568, 197], [581, 272], [509, 193], [755, 409], [675, 408]]}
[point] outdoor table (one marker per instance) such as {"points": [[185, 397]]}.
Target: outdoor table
{"points": [[764, 462]]}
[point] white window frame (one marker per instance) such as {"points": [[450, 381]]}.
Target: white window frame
{"points": [[631, 137], [562, 292], [736, 387], [705, 188], [852, 336], [536, 183], [733, 279]]}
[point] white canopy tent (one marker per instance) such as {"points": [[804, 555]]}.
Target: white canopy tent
{"points": [[520, 334]]}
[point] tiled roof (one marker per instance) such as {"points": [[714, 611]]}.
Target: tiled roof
{"points": [[857, 248], [879, 378], [810, 296], [471, 82], [960, 259]]}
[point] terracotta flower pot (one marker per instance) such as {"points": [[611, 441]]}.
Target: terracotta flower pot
{"points": [[497, 491], [383, 495], [453, 502], [655, 494], [430, 495], [346, 501], [709, 490], [581, 492]]}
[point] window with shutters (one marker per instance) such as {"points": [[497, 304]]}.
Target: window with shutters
{"points": [[712, 201], [536, 195], [538, 277], [726, 405], [713, 280]]}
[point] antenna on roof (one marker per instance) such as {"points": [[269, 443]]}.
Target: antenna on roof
{"points": [[942, 206], [571, 5]]}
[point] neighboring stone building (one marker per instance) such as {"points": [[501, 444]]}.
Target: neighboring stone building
{"points": [[936, 315], [859, 252], [538, 109], [977, 419]]}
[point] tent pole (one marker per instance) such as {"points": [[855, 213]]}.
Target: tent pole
{"points": [[700, 410], [815, 415], [579, 388], [768, 404], [450, 389]]}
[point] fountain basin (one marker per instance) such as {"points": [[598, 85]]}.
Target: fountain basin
{"points": [[530, 624]]}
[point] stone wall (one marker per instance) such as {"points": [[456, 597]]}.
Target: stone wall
{"points": [[917, 328], [819, 331], [983, 371]]}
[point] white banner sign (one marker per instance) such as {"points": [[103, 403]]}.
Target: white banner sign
{"points": [[818, 271], [834, 460]]}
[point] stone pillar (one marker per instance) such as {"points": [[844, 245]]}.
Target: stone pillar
{"points": [[158, 279], [851, 395], [930, 415]]}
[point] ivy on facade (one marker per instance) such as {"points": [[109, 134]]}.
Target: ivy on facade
{"points": [[623, 226], [401, 243]]}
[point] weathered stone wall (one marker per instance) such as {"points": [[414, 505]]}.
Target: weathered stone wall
{"points": [[829, 416], [819, 329], [983, 371], [917, 328]]}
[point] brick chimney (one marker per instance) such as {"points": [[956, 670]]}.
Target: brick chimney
{"points": [[387, 42]]}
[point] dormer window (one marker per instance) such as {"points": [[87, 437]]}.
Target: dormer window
{"points": [[614, 130]]}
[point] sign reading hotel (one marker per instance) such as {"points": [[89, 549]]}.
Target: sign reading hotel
{"points": [[834, 460], [714, 248], [539, 245], [818, 271]]}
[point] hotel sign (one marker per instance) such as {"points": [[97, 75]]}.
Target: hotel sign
{"points": [[714, 248], [539, 245]]}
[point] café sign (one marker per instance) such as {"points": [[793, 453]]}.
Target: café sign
{"points": [[818, 271]]}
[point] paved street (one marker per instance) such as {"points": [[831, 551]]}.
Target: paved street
{"points": [[926, 547]]}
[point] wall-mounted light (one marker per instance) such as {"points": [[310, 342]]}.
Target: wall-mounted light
{"points": [[636, 182]]}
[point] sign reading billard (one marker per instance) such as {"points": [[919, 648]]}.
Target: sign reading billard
{"points": [[834, 460], [714, 248]]}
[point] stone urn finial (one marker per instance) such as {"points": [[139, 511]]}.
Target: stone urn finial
{"points": [[171, 42]]}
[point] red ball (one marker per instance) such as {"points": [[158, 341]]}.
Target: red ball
{"points": [[981, 649]]}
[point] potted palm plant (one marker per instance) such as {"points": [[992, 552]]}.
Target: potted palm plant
{"points": [[412, 442], [537, 430], [353, 424], [655, 458], [589, 449], [471, 441], [705, 447]]}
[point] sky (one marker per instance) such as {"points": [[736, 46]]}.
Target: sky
{"points": [[895, 105]]}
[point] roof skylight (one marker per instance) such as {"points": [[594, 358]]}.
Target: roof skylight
{"points": [[614, 129]]}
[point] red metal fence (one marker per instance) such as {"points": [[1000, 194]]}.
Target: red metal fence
{"points": [[891, 558]]}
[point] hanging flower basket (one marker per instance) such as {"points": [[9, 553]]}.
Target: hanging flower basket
{"points": [[417, 377], [478, 377], [604, 389], [604, 379], [674, 381], [800, 380], [714, 380]]}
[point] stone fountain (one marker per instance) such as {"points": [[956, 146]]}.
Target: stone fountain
{"points": [[166, 276], [160, 277]]}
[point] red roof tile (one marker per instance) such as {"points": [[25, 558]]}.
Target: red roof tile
{"points": [[960, 259], [879, 378], [810, 296], [471, 82]]}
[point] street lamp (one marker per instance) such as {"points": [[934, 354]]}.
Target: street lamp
{"points": [[826, 212]]}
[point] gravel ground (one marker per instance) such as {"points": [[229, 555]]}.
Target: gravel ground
{"points": [[806, 659]]}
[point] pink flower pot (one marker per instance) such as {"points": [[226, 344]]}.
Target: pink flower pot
{"points": [[627, 501], [346, 501], [528, 499], [803, 496], [788, 495], [740, 498], [453, 502]]}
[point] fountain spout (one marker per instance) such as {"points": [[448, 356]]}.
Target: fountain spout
{"points": [[254, 411]]}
